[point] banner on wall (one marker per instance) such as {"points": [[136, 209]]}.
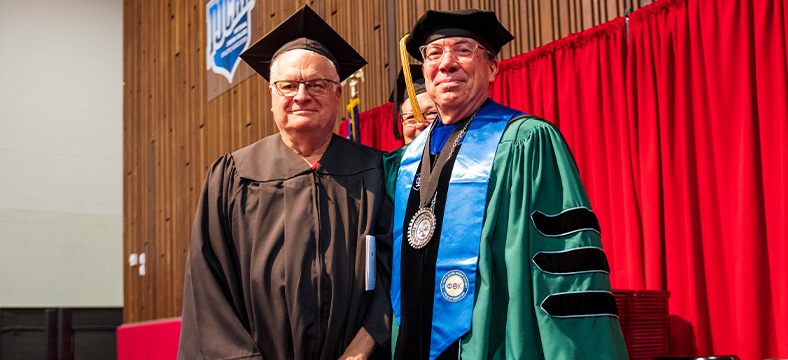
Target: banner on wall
{"points": [[228, 33]]}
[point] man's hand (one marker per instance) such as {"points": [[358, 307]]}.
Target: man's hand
{"points": [[361, 347]]}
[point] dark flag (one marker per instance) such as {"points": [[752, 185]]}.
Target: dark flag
{"points": [[353, 132]]}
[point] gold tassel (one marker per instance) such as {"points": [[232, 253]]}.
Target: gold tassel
{"points": [[403, 53]]}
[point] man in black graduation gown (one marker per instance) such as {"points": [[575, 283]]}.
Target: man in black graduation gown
{"points": [[411, 127], [276, 268]]}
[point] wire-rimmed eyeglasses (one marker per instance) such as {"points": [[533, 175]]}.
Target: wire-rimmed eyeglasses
{"points": [[462, 52], [408, 119], [289, 88]]}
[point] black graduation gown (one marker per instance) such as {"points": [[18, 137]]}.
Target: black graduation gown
{"points": [[276, 264]]}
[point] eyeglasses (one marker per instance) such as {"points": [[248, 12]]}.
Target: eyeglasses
{"points": [[289, 88], [462, 52], [409, 120]]}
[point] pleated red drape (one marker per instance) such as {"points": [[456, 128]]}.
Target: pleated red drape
{"points": [[681, 137], [708, 85], [376, 128]]}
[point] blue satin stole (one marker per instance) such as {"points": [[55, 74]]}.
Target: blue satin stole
{"points": [[458, 253]]}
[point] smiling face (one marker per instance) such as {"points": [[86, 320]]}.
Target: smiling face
{"points": [[303, 113], [459, 88]]}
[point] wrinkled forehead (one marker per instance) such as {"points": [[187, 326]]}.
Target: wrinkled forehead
{"points": [[445, 41], [303, 63], [456, 36]]}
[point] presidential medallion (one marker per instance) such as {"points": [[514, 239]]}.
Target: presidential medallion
{"points": [[421, 228]]}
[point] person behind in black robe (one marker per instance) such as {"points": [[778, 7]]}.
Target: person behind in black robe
{"points": [[411, 126], [276, 267]]}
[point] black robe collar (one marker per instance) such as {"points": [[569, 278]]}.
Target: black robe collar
{"points": [[269, 159]]}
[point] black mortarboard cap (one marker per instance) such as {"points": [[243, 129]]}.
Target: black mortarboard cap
{"points": [[303, 30], [400, 94], [482, 26]]}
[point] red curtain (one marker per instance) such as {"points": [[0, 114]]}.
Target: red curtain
{"points": [[376, 128], [708, 85], [680, 131]]}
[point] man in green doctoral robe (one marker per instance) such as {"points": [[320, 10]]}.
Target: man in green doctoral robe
{"points": [[280, 266], [497, 253]]}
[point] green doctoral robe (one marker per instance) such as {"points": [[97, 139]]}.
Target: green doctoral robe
{"points": [[533, 170]]}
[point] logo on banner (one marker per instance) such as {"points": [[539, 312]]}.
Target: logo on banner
{"points": [[229, 34], [454, 285]]}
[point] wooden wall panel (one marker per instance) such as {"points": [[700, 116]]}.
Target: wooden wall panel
{"points": [[172, 134], [533, 22]]}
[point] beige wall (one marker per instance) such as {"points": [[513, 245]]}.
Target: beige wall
{"points": [[61, 227]]}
